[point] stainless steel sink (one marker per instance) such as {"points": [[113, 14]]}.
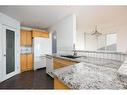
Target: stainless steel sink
{"points": [[70, 56]]}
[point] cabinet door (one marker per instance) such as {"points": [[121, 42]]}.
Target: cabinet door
{"points": [[29, 62], [29, 38], [58, 85], [23, 60], [36, 33], [44, 34], [23, 37]]}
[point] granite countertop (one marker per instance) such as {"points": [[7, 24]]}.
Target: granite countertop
{"points": [[89, 76], [98, 61], [90, 73]]}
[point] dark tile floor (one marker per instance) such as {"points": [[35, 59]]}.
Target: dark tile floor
{"points": [[29, 80]]}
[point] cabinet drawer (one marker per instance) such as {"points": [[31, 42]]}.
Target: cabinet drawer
{"points": [[59, 63]]}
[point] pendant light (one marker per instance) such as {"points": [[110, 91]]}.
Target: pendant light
{"points": [[96, 33]]}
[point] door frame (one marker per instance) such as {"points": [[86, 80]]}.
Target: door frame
{"points": [[6, 76]]}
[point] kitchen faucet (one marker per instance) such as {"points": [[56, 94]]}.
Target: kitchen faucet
{"points": [[74, 51]]}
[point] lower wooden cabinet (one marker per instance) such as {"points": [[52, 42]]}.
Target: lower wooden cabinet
{"points": [[26, 62], [58, 85], [29, 62], [23, 60], [59, 62]]}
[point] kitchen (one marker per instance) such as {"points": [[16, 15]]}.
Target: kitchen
{"points": [[80, 48]]}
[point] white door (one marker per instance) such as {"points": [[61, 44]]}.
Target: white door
{"points": [[42, 46], [9, 52]]}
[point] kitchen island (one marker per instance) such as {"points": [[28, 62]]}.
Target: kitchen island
{"points": [[89, 76], [92, 74]]}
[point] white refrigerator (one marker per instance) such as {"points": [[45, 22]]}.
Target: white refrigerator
{"points": [[41, 47]]}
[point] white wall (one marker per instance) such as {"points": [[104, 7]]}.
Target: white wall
{"points": [[66, 29], [119, 29], [1, 54], [6, 20], [90, 42], [80, 42], [85, 41], [122, 38]]}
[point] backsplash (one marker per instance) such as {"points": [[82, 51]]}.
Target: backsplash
{"points": [[26, 50], [105, 55]]}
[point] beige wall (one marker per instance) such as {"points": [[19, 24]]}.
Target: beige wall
{"points": [[90, 42], [121, 30], [122, 39]]}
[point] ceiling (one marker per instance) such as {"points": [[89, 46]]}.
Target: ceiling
{"points": [[87, 16]]}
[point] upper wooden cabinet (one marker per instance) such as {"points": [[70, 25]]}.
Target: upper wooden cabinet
{"points": [[40, 33], [29, 38], [23, 38], [26, 38]]}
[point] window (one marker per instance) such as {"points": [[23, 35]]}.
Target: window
{"points": [[107, 42]]}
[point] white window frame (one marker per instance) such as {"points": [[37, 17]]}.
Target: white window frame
{"points": [[105, 43]]}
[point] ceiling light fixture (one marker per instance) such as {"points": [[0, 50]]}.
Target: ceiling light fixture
{"points": [[96, 33]]}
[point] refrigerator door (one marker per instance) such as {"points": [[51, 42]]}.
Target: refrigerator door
{"points": [[41, 47], [40, 62]]}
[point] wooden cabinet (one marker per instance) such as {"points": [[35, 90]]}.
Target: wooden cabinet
{"points": [[29, 38], [40, 33], [26, 38], [59, 63], [29, 62], [26, 62], [58, 85], [23, 62], [23, 38]]}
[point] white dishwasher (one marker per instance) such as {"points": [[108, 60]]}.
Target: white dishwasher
{"points": [[49, 65]]}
